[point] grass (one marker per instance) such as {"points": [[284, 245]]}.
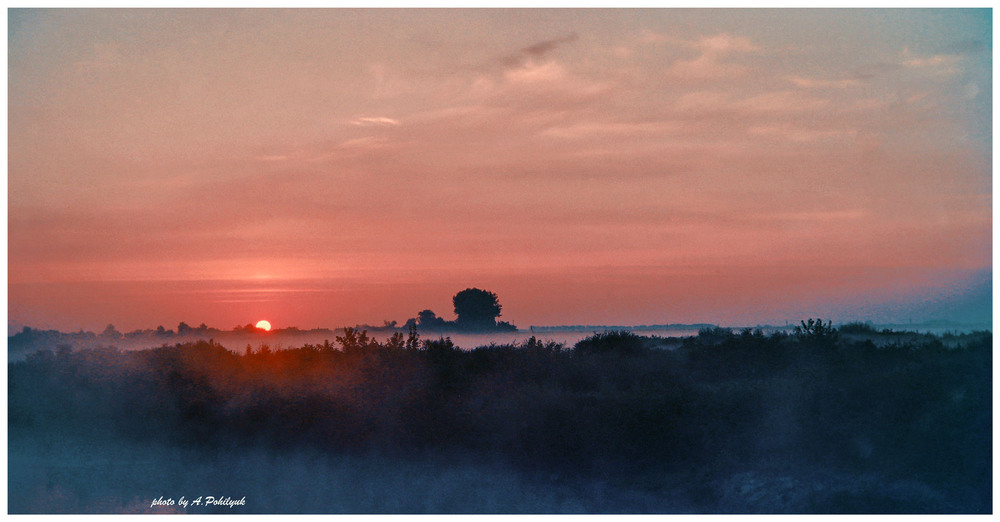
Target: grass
{"points": [[723, 422]]}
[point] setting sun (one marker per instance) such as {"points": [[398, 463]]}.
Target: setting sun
{"points": [[264, 325]]}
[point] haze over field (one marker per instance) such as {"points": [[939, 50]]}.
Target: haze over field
{"points": [[335, 167], [358, 260]]}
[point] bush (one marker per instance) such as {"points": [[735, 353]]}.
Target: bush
{"points": [[914, 413], [857, 327], [616, 342], [815, 332]]}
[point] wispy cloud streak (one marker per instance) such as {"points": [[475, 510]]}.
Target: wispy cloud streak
{"points": [[537, 50]]}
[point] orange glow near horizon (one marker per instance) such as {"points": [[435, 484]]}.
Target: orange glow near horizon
{"points": [[660, 165]]}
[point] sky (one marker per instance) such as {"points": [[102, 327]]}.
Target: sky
{"points": [[329, 167]]}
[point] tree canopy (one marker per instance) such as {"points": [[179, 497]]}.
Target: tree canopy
{"points": [[476, 309]]}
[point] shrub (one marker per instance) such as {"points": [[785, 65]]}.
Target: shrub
{"points": [[617, 341], [815, 331], [857, 327]]}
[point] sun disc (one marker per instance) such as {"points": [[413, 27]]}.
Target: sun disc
{"points": [[264, 325]]}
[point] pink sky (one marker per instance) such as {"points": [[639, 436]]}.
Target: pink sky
{"points": [[332, 167]]}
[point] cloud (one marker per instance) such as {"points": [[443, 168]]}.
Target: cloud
{"points": [[871, 70], [365, 142], [604, 129], [380, 121], [491, 138], [942, 64], [537, 50], [705, 67], [543, 47], [813, 83], [725, 44], [800, 134], [714, 61], [779, 103], [538, 86], [912, 61], [537, 73], [652, 37]]}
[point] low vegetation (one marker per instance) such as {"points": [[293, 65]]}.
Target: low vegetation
{"points": [[819, 420]]}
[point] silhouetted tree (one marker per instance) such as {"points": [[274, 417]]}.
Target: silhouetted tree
{"points": [[413, 339], [816, 332], [355, 339], [441, 349], [110, 332], [427, 319], [395, 342], [476, 309], [504, 325]]}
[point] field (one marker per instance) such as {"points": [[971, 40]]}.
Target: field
{"points": [[823, 420]]}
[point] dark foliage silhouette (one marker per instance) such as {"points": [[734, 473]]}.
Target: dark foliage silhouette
{"points": [[476, 309], [428, 320], [817, 333], [619, 342], [856, 328], [725, 422]]}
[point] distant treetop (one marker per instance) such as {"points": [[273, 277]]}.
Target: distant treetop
{"points": [[476, 309]]}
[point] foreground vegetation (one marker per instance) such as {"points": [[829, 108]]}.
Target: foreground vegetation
{"points": [[820, 420]]}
